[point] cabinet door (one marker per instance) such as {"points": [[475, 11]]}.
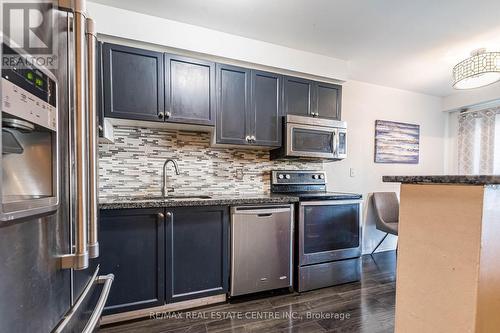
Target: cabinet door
{"points": [[197, 252], [266, 109], [132, 245], [298, 96], [328, 100], [233, 104], [133, 82], [190, 90]]}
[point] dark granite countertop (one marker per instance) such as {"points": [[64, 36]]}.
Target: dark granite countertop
{"points": [[216, 200], [446, 179]]}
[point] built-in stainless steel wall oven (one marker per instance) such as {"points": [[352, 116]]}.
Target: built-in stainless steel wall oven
{"points": [[328, 237]]}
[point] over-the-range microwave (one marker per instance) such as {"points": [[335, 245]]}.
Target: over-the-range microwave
{"points": [[312, 138]]}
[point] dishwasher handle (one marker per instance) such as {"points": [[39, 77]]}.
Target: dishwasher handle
{"points": [[260, 211]]}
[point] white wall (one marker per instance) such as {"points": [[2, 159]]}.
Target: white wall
{"points": [[364, 103]]}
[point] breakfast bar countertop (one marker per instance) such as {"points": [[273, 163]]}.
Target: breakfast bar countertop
{"points": [[445, 179], [121, 202]]}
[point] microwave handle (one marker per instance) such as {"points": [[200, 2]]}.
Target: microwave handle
{"points": [[335, 144], [79, 259]]}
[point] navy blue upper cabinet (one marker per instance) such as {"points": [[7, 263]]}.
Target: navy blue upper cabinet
{"points": [[249, 107], [311, 98], [266, 108], [233, 105], [133, 82], [197, 257], [298, 96], [132, 245], [328, 100], [189, 90]]}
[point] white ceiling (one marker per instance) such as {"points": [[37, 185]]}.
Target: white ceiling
{"points": [[407, 44]]}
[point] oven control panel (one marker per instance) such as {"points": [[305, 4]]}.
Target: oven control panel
{"points": [[316, 177]]}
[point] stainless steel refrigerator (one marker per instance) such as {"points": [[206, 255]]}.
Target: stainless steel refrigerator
{"points": [[49, 278]]}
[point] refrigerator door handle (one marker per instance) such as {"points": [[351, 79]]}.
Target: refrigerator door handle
{"points": [[93, 244], [96, 314], [91, 324], [79, 259]]}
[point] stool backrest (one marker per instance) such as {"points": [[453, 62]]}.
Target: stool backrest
{"points": [[386, 206]]}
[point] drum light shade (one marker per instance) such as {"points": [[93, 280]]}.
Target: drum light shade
{"points": [[480, 69]]}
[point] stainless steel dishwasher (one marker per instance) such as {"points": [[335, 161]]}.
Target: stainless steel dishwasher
{"points": [[261, 248]]}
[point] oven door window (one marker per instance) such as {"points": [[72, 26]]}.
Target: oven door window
{"points": [[331, 227], [310, 140]]}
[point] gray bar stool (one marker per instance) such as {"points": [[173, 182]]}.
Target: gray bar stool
{"points": [[386, 214]]}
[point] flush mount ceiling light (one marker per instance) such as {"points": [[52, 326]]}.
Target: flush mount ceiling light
{"points": [[480, 69]]}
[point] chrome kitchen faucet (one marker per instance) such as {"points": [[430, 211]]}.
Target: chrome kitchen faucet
{"points": [[164, 190]]}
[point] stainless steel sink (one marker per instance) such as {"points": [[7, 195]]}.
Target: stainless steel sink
{"points": [[174, 197], [187, 197]]}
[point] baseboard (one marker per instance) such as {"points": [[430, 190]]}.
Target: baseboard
{"points": [[184, 305]]}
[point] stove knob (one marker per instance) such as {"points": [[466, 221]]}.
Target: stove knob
{"points": [[280, 176], [315, 176], [321, 176], [287, 176]]}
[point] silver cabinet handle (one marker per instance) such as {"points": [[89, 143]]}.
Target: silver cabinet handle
{"points": [[80, 258], [101, 302], [252, 138], [168, 114], [169, 214], [247, 138], [93, 244]]}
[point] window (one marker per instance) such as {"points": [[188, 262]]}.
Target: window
{"points": [[479, 142]]}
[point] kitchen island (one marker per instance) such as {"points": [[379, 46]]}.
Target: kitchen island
{"points": [[448, 271]]}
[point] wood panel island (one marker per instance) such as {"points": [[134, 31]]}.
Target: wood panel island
{"points": [[448, 271]]}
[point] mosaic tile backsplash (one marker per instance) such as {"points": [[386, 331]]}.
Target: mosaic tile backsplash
{"points": [[132, 166]]}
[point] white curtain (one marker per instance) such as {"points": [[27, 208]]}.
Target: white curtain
{"points": [[479, 142]]}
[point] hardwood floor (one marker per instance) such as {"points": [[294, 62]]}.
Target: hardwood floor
{"points": [[366, 306]]}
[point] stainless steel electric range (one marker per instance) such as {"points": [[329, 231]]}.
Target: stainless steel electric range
{"points": [[327, 232]]}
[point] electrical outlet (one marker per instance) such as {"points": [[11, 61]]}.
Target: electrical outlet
{"points": [[238, 173], [352, 172]]}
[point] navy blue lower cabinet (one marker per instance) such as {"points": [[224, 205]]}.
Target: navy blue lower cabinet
{"points": [[132, 244], [197, 255]]}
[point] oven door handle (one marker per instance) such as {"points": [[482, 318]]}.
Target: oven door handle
{"points": [[332, 202]]}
